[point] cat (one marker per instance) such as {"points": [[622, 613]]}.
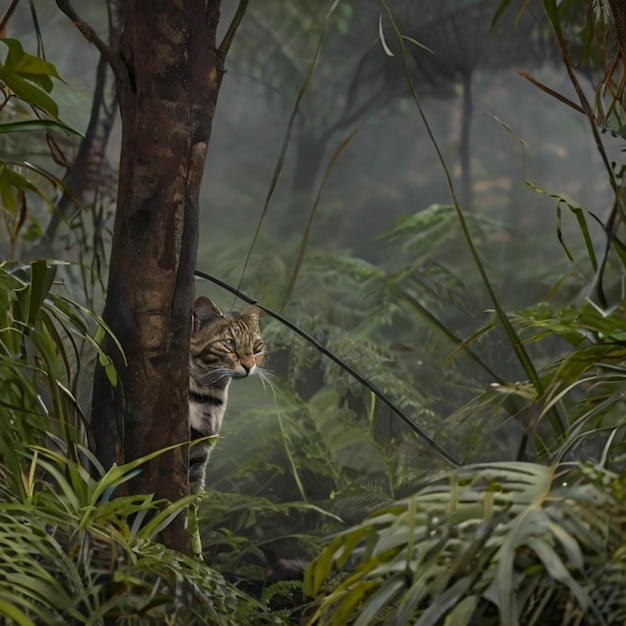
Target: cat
{"points": [[222, 347]]}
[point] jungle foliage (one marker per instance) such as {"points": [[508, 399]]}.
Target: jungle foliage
{"points": [[325, 507]]}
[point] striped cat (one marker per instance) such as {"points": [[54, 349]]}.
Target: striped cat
{"points": [[222, 347]]}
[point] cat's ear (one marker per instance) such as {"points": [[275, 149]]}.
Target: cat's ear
{"points": [[204, 311], [250, 311]]}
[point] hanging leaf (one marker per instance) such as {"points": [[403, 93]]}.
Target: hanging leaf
{"points": [[33, 125], [30, 67], [381, 35], [27, 91]]}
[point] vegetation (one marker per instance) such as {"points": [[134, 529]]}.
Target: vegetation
{"points": [[330, 502]]}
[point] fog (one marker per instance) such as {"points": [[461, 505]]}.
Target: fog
{"points": [[389, 168], [359, 159]]}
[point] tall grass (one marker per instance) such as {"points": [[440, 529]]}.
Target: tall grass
{"points": [[72, 550]]}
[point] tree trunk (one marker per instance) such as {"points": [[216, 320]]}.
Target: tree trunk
{"points": [[465, 148], [168, 77]]}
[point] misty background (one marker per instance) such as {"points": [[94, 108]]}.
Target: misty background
{"points": [[361, 196]]}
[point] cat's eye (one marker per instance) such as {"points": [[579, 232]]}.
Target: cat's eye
{"points": [[228, 342]]}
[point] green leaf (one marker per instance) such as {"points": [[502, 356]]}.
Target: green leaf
{"points": [[500, 11], [41, 279], [28, 66], [346, 609], [385, 595], [13, 182], [463, 612], [118, 475], [498, 14], [104, 359], [30, 93], [552, 11], [32, 125], [317, 572], [8, 193], [445, 601], [557, 569], [33, 232], [14, 614]]}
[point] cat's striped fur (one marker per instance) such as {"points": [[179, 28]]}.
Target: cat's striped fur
{"points": [[223, 347]]}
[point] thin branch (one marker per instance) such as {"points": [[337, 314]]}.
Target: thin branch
{"points": [[287, 138], [224, 47], [617, 212], [448, 456], [88, 32], [618, 8], [551, 92], [312, 212], [7, 15]]}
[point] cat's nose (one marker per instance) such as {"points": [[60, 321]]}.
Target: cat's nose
{"points": [[248, 366]]}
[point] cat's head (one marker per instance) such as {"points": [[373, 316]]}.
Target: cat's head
{"points": [[224, 346]]}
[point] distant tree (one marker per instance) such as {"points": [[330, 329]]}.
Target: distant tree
{"points": [[168, 69], [358, 77], [85, 173], [460, 42]]}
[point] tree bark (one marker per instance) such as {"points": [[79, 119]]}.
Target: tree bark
{"points": [[466, 143], [168, 75]]}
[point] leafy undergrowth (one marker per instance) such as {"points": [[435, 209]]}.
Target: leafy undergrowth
{"points": [[509, 543]]}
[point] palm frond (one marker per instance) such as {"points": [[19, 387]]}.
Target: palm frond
{"points": [[495, 539]]}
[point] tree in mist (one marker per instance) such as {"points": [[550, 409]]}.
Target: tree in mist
{"points": [[85, 173], [168, 69], [360, 77], [459, 42]]}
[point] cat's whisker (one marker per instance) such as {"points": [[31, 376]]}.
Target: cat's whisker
{"points": [[213, 380], [265, 377]]}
